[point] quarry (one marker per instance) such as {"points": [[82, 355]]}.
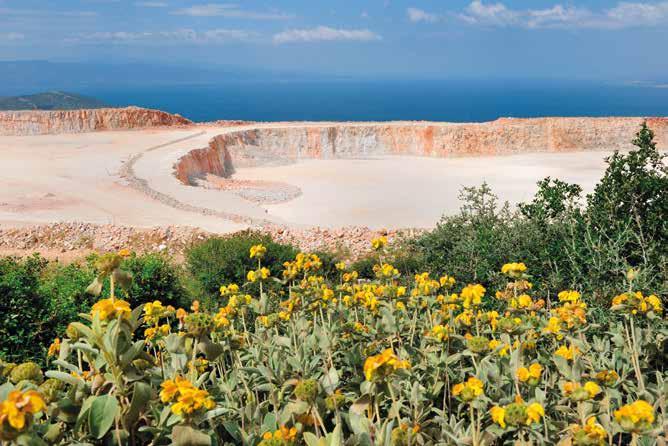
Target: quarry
{"points": [[138, 170]]}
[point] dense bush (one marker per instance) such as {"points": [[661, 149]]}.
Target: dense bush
{"points": [[38, 299], [155, 277], [22, 308], [223, 260], [570, 241]]}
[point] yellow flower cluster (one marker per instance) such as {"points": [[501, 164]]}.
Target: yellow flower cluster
{"points": [[472, 295], [379, 243], [637, 303], [303, 263], [54, 348], [154, 311], [591, 434], [469, 390], [577, 392], [441, 332], [517, 414], [514, 270], [109, 309], [567, 352], [635, 417], [379, 367], [385, 271], [258, 251], [260, 274], [17, 411], [282, 436], [530, 375], [186, 398]]}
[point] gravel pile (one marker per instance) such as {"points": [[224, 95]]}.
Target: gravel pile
{"points": [[351, 242]]}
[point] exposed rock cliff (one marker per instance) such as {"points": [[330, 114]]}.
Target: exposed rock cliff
{"points": [[17, 123], [276, 144]]}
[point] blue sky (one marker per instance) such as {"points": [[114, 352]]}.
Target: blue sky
{"points": [[588, 39]]}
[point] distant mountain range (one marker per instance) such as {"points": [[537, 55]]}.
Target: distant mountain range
{"points": [[52, 100]]}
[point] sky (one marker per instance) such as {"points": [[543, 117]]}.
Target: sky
{"points": [[449, 39]]}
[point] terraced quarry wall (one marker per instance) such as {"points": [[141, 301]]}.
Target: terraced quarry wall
{"points": [[24, 123], [277, 144]]}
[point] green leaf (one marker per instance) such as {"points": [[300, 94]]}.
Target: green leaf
{"points": [[187, 436], [64, 377], [312, 440], [140, 397], [103, 411], [5, 389], [330, 381], [95, 288]]}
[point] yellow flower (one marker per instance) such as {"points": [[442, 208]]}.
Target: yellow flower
{"points": [[251, 276], [468, 390], [189, 399], [553, 327], [108, 309], [531, 374], [567, 353], [447, 281], [591, 434], [440, 332], [498, 416], [181, 314], [257, 251], [54, 348], [592, 388], [569, 296], [169, 390], [124, 253], [534, 413], [283, 433], [379, 243], [19, 407], [380, 366], [513, 269], [635, 417], [472, 295]]}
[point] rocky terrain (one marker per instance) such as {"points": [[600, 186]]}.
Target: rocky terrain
{"points": [[119, 184], [275, 145], [71, 240], [33, 122]]}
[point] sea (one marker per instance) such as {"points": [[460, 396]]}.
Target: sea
{"points": [[387, 100]]}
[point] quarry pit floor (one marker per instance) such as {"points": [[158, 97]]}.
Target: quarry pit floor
{"points": [[126, 178]]}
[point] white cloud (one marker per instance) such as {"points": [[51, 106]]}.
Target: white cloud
{"points": [[325, 34], [622, 15], [185, 35], [416, 15], [152, 4], [230, 11]]}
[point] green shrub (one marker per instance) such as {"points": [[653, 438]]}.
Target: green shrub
{"points": [[155, 277], [622, 225], [22, 309], [223, 260], [63, 289]]}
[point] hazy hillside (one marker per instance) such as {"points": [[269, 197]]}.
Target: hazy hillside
{"points": [[53, 100]]}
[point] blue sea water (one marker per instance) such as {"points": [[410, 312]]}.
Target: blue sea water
{"points": [[455, 101]]}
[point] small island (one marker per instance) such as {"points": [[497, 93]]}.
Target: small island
{"points": [[51, 100]]}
